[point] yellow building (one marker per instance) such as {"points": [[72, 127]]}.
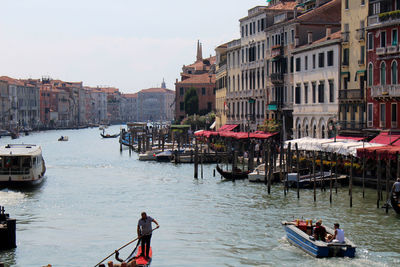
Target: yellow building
{"points": [[352, 96], [221, 73]]}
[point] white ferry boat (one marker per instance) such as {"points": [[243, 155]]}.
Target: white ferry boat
{"points": [[21, 164]]}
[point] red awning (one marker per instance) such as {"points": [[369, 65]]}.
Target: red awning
{"points": [[385, 138], [227, 127], [385, 152], [355, 138], [261, 135]]}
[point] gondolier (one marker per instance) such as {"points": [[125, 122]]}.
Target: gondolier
{"points": [[396, 188], [144, 230]]}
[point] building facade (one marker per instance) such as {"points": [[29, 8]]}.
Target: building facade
{"points": [[383, 64], [352, 96], [316, 104], [220, 95], [155, 104]]}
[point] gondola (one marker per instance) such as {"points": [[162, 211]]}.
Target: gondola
{"points": [[109, 136], [395, 201], [135, 258], [234, 175]]}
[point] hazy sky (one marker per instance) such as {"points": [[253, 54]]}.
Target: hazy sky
{"points": [[130, 44]]}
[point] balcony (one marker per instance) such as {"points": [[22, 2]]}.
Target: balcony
{"points": [[360, 35], [345, 37], [385, 91], [351, 94], [380, 51], [392, 49], [277, 78], [277, 51], [361, 62], [351, 125], [390, 17]]}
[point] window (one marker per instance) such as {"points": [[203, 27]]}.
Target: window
{"points": [[370, 114], [209, 106], [181, 91], [362, 54], [263, 50], [182, 106], [298, 94], [298, 64], [370, 41], [346, 56], [203, 90], [292, 35], [394, 72], [370, 74], [346, 4], [247, 28], [330, 58], [331, 91], [251, 28], [267, 42], [313, 61], [286, 40], [321, 60], [383, 38], [383, 73], [394, 114], [305, 62], [291, 64], [258, 25], [321, 88], [394, 37], [314, 85], [383, 114], [363, 2], [242, 31], [305, 93]]}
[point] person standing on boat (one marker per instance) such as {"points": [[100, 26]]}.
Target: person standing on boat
{"points": [[338, 237], [396, 188], [319, 231], [144, 230]]}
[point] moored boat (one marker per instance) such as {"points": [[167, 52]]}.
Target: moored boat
{"points": [[63, 138], [395, 201], [233, 175], [149, 155], [21, 164], [299, 233]]}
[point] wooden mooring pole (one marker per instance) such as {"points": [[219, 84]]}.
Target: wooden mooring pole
{"points": [[314, 175], [196, 160], [363, 177], [298, 169], [269, 167], [388, 176], [330, 181], [351, 182], [288, 166], [378, 182]]}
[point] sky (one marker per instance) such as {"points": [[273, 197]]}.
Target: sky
{"points": [[128, 44]]}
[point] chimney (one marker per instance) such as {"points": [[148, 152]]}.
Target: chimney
{"points": [[296, 41], [328, 32], [310, 37]]}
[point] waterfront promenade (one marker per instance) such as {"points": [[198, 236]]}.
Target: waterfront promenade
{"points": [[93, 195]]}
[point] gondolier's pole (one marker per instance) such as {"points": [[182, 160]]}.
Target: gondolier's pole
{"points": [[378, 182], [351, 182], [388, 176], [315, 178], [330, 181], [127, 244], [298, 170]]}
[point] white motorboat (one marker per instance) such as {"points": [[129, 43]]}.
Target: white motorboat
{"points": [[149, 155], [21, 164], [258, 175]]}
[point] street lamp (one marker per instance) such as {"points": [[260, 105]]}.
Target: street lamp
{"points": [[335, 127]]}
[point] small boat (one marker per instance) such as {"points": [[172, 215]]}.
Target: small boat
{"points": [[135, 258], [63, 138], [299, 233], [21, 164], [109, 136], [307, 180], [395, 201], [149, 155], [166, 156], [14, 135], [4, 133], [234, 175]]}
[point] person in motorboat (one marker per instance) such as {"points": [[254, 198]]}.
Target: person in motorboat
{"points": [[319, 231], [144, 230], [338, 237], [396, 188]]}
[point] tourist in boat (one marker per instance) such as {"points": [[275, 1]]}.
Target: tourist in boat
{"points": [[144, 230], [319, 231], [396, 188], [338, 237]]}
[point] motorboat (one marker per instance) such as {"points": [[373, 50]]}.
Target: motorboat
{"points": [[258, 175], [63, 138], [21, 164], [149, 155], [300, 234]]}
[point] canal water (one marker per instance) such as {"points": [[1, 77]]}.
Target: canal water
{"points": [[93, 195]]}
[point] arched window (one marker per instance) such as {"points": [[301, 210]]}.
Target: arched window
{"points": [[370, 74], [323, 131], [394, 72], [238, 81], [383, 73], [306, 130], [299, 131], [315, 131], [229, 84], [233, 83]]}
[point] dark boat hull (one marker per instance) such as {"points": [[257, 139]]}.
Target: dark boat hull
{"points": [[232, 175], [110, 136], [395, 202]]}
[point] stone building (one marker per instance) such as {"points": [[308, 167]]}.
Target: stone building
{"points": [[201, 76], [220, 94], [5, 105], [155, 104], [316, 80], [352, 96]]}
